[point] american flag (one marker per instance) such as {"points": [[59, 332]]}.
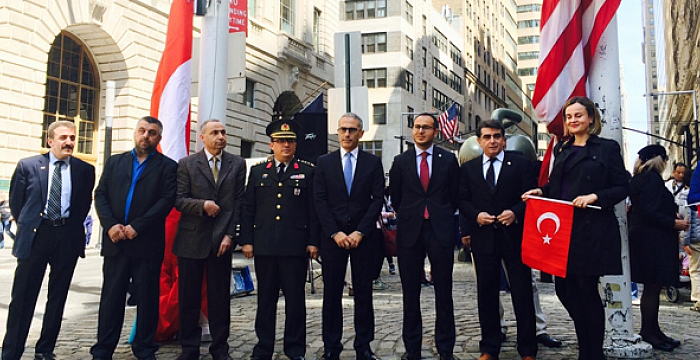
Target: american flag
{"points": [[448, 123], [569, 34]]}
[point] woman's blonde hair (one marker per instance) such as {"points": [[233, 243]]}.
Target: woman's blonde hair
{"points": [[657, 163], [591, 109]]}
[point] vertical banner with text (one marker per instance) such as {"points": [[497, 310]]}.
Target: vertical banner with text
{"points": [[238, 16]]}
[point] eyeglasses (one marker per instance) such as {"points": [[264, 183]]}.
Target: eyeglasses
{"points": [[422, 127], [351, 130], [284, 141]]}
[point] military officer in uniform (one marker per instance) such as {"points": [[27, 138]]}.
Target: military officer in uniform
{"points": [[279, 227]]}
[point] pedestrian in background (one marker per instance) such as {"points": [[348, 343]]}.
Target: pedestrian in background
{"points": [[588, 170], [5, 220], [691, 246], [653, 240], [50, 196]]}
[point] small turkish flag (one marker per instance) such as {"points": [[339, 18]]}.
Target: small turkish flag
{"points": [[546, 235]]}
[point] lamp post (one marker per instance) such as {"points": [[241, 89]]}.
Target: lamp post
{"points": [[401, 137], [109, 118], [695, 110]]}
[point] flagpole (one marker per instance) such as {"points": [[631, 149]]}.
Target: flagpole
{"points": [[604, 82]]}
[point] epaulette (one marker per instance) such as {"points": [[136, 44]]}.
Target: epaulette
{"points": [[307, 163], [262, 162]]}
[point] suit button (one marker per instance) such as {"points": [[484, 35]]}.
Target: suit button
{"points": [[279, 196], [34, 230], [277, 218], [255, 226], [279, 207], [41, 214], [280, 184]]}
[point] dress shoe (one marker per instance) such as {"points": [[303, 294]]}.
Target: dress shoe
{"points": [[330, 356], [657, 343], [45, 356], [486, 356], [367, 355], [446, 357], [671, 341], [410, 356], [548, 341]]}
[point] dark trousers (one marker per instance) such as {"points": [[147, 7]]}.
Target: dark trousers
{"points": [[218, 276], [287, 273], [579, 295], [49, 248], [488, 273], [411, 269], [334, 264], [118, 270], [379, 254]]}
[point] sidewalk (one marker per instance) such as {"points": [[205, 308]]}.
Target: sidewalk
{"points": [[80, 321]]}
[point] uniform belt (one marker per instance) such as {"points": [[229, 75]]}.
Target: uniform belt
{"points": [[57, 222]]}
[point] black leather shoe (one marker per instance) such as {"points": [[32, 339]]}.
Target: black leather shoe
{"points": [[330, 356], [446, 357], [658, 343], [548, 341], [410, 356], [671, 341], [45, 356], [367, 355]]}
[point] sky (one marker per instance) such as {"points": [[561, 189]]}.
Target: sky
{"points": [[630, 34]]}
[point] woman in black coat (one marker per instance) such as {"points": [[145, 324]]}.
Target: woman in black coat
{"points": [[653, 242], [588, 170]]}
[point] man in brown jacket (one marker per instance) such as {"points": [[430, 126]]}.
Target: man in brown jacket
{"points": [[209, 191]]}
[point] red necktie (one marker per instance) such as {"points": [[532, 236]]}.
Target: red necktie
{"points": [[425, 178]]}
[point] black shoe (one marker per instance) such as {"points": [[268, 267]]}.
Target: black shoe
{"points": [[45, 356], [446, 357], [503, 337], [658, 344], [330, 356], [671, 341], [367, 355], [410, 356], [548, 341]]}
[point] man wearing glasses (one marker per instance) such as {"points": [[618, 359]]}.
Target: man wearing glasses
{"points": [[279, 227], [424, 182], [349, 193]]}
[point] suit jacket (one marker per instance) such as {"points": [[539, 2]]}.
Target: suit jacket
{"points": [[199, 234], [338, 211], [595, 236], [152, 200], [278, 216], [409, 198], [28, 195], [475, 196]]}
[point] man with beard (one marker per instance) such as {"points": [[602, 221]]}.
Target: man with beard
{"points": [[135, 194], [50, 197]]}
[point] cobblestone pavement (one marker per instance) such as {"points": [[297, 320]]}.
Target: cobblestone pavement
{"points": [[80, 324]]}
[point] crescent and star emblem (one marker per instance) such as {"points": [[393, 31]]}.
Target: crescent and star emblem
{"points": [[551, 216]]}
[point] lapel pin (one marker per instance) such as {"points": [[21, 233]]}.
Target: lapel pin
{"points": [[439, 155], [509, 163], [43, 168], [264, 176]]}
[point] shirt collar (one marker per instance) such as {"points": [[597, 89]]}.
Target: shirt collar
{"points": [[354, 152], [133, 153], [499, 157], [429, 150], [53, 159], [286, 164], [209, 155]]}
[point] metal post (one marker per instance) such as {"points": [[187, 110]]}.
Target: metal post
{"points": [[109, 118], [347, 73]]}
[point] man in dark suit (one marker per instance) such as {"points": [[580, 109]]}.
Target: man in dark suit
{"points": [[490, 200], [424, 182], [50, 197], [349, 192], [135, 194], [209, 194], [279, 226]]}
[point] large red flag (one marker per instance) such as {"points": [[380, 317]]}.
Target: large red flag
{"points": [[170, 103], [569, 34], [546, 235]]}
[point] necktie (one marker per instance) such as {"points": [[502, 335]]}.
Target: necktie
{"points": [[215, 168], [491, 175], [54, 205], [347, 171], [425, 178], [280, 170]]}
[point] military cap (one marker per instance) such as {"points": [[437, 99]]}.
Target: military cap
{"points": [[283, 129]]}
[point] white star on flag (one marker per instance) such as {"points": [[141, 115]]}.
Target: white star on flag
{"points": [[546, 239]]}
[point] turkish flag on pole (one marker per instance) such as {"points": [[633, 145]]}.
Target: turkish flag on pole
{"points": [[547, 234], [170, 103]]}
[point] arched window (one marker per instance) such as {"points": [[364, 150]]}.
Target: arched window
{"points": [[72, 91]]}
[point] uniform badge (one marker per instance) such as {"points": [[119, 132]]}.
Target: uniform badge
{"points": [[285, 127], [298, 176], [296, 166], [297, 191], [269, 165], [264, 176]]}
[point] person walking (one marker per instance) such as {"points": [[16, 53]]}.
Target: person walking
{"points": [[135, 194], [50, 196], [424, 183], [210, 187], [654, 227], [279, 227], [5, 221]]}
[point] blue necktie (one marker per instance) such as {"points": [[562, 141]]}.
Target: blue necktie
{"points": [[347, 171]]}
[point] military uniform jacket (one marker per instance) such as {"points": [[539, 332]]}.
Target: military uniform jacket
{"points": [[278, 216]]}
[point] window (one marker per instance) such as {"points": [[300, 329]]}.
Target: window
{"points": [[651, 9], [372, 147], [651, 32], [246, 149], [653, 74], [379, 113], [653, 63], [424, 90], [374, 78], [455, 54], [408, 82], [410, 116], [72, 91], [409, 13], [530, 55], [440, 100], [524, 24], [249, 94], [531, 87], [653, 53], [316, 30], [425, 26], [440, 40], [365, 9], [455, 82], [524, 40], [527, 72], [373, 43], [287, 16], [656, 118], [651, 21], [529, 8], [440, 71], [409, 47], [425, 57], [251, 8]]}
